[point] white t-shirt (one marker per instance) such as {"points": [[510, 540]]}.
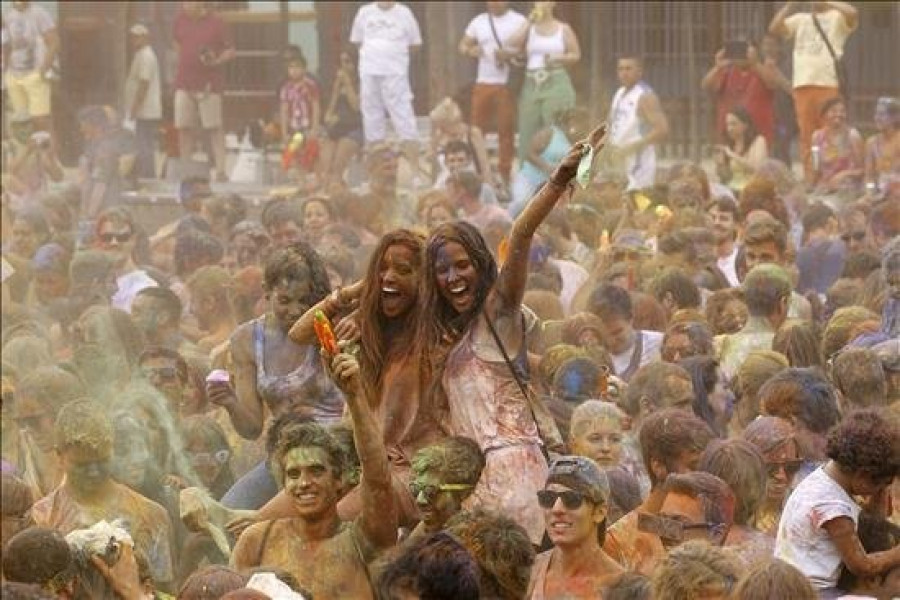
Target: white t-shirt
{"points": [[128, 287], [144, 67], [801, 539], [813, 64], [24, 31], [384, 37], [728, 266], [479, 29], [651, 343]]}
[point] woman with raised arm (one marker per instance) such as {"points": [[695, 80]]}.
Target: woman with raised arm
{"points": [[385, 304], [472, 330]]}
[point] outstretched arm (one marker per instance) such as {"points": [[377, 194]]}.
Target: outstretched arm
{"points": [[514, 274], [378, 520], [777, 26]]}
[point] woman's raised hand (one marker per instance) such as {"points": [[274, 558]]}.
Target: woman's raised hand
{"points": [[567, 168]]}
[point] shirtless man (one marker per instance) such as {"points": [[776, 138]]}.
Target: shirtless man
{"points": [[326, 556], [575, 501]]}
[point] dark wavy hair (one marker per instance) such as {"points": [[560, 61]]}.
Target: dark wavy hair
{"points": [[296, 262], [744, 117], [377, 340], [704, 371], [438, 318], [867, 442]]}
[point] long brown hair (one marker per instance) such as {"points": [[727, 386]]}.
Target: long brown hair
{"points": [[438, 318], [372, 322]]}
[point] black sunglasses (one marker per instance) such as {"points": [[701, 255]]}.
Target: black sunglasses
{"points": [[668, 529], [107, 238], [571, 499], [790, 467]]}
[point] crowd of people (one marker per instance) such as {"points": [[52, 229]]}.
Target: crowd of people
{"points": [[565, 371]]}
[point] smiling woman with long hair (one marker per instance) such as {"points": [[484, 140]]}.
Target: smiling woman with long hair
{"points": [[472, 330]]}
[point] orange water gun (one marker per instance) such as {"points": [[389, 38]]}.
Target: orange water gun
{"points": [[291, 150], [325, 333]]}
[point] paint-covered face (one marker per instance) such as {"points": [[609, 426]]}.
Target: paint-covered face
{"points": [[457, 278], [25, 240], [162, 373], [289, 300], [311, 482], [148, 315], [601, 441], [86, 469], [689, 512], [571, 526], [131, 456], [206, 460], [782, 463], [436, 507], [677, 346], [398, 278], [723, 224]]}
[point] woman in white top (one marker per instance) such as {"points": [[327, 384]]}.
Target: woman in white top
{"points": [[549, 45], [746, 150]]}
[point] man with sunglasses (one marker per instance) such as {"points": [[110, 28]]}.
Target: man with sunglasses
{"points": [[116, 238], [575, 503], [443, 476], [696, 506], [672, 441]]}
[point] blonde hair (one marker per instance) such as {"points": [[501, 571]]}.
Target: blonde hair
{"points": [[591, 411], [446, 110]]}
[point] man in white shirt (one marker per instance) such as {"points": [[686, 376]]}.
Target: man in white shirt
{"points": [[487, 39], [723, 213], [385, 33], [637, 124], [30, 44], [629, 348], [815, 75], [143, 103]]}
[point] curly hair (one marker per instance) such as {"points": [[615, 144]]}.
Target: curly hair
{"points": [[804, 394], [667, 434], [715, 307], [502, 549], [760, 194], [693, 568], [373, 324], [457, 459], [699, 335], [774, 578], [866, 442], [439, 319], [309, 435], [739, 464], [297, 262], [84, 424]]}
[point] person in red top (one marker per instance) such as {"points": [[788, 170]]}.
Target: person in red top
{"points": [[746, 82], [203, 44]]}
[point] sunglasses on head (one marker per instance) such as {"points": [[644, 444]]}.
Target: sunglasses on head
{"points": [[430, 492], [571, 499], [108, 238], [790, 467]]}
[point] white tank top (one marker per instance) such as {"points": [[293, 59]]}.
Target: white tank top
{"points": [[539, 46], [626, 127]]}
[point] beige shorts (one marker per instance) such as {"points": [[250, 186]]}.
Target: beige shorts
{"points": [[198, 109], [29, 94]]}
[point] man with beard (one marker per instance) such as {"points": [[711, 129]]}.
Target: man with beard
{"points": [[724, 214], [84, 442], [327, 556]]}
